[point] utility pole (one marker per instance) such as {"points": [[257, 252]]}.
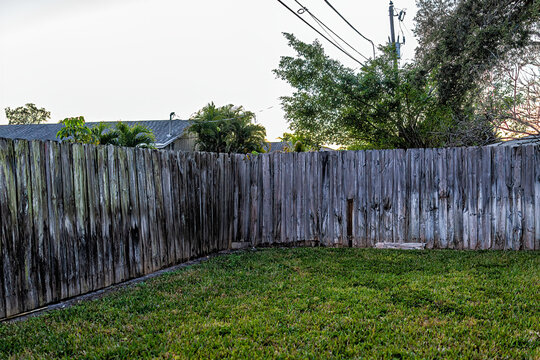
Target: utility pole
{"points": [[391, 14], [397, 44]]}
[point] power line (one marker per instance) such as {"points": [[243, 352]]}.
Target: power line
{"points": [[321, 34], [324, 27], [348, 23]]}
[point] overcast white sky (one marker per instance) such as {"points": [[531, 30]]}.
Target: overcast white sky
{"points": [[133, 59]]}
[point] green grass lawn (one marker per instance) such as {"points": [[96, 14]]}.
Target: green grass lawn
{"points": [[306, 303]]}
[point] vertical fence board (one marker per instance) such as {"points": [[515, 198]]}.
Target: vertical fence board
{"points": [[267, 199], [515, 242], [11, 265], [118, 249], [135, 220], [24, 252], [55, 204], [484, 199], [81, 209], [154, 243], [442, 193], [124, 223], [69, 230], [361, 205], [528, 197], [106, 253], [536, 183], [41, 245], [95, 267]]}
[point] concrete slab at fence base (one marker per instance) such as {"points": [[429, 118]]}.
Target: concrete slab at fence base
{"points": [[403, 246], [240, 245]]}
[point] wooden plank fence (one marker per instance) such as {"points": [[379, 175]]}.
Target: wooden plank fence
{"points": [[77, 218]]}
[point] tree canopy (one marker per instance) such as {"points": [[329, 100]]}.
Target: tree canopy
{"points": [[381, 106], [439, 99], [459, 40], [227, 129], [28, 114]]}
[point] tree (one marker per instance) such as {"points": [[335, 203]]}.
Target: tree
{"points": [[227, 129], [28, 114], [299, 143], [381, 106], [461, 40], [104, 134], [511, 98], [135, 136], [76, 131]]}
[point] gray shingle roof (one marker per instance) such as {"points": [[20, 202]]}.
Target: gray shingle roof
{"points": [[280, 146], [48, 131], [528, 140]]}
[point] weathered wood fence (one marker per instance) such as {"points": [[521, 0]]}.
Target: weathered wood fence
{"points": [[458, 198], [77, 218]]}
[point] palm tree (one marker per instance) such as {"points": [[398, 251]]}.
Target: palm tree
{"points": [[104, 134], [135, 136], [227, 129]]}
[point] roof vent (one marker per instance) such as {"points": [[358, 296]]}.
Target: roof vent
{"points": [[170, 123]]}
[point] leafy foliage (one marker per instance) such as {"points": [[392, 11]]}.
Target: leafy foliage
{"points": [[382, 106], [299, 143], [76, 131], [438, 100], [135, 136], [104, 134], [227, 129], [28, 114], [459, 40]]}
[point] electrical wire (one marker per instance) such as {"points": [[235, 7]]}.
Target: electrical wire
{"points": [[321, 34], [348, 23], [324, 27]]}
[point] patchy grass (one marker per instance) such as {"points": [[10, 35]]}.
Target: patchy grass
{"points": [[307, 303]]}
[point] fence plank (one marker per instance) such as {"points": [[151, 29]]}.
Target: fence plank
{"points": [[81, 212], [442, 172], [536, 183], [136, 251], [53, 170], [95, 267], [69, 230], [124, 224], [182, 172], [528, 197], [485, 198], [11, 264], [106, 253], [27, 277], [515, 242], [458, 201]]}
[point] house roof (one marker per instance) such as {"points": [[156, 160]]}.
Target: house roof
{"points": [[281, 145], [276, 146], [160, 128], [527, 140]]}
